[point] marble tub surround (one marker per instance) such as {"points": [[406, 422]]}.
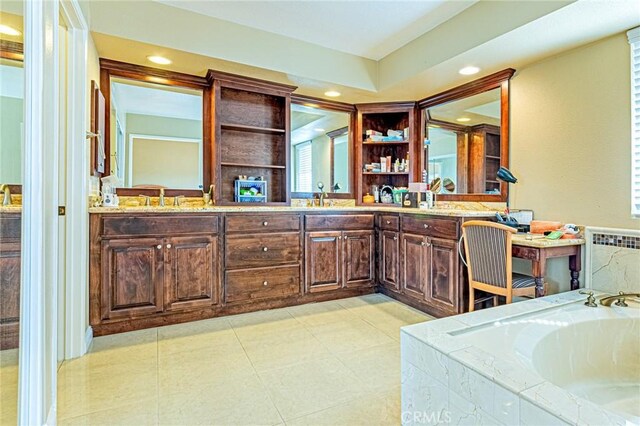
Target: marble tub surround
{"points": [[612, 260], [473, 368]]}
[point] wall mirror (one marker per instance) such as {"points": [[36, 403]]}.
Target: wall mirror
{"points": [[11, 110], [321, 148], [156, 134], [466, 139]]}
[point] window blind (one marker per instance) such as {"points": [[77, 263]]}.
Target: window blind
{"points": [[303, 167], [634, 41]]}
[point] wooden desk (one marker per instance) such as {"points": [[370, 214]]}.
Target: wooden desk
{"points": [[539, 250]]}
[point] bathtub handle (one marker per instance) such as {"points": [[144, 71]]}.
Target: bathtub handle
{"points": [[591, 300]]}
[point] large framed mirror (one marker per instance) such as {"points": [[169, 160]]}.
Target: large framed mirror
{"points": [[157, 129], [11, 107], [321, 147], [466, 139]]}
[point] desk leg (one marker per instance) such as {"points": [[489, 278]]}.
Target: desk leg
{"points": [[538, 269], [575, 265]]}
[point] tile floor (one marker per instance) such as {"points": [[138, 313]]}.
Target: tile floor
{"points": [[8, 387], [330, 363]]}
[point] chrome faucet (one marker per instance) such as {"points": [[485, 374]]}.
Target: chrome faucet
{"points": [[591, 300], [147, 200], [176, 200], [7, 194], [161, 198], [322, 195], [619, 298]]}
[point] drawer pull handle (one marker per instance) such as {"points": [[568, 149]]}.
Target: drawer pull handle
{"points": [[168, 245], [265, 223], [425, 226], [265, 283], [264, 249], [159, 246]]}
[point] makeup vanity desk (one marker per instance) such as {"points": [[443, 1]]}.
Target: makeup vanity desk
{"points": [[538, 250]]}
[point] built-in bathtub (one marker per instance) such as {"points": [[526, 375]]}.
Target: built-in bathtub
{"points": [[551, 360]]}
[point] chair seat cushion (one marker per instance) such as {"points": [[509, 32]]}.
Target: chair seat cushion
{"points": [[522, 281]]}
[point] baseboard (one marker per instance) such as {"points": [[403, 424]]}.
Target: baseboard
{"points": [[52, 416], [88, 339]]}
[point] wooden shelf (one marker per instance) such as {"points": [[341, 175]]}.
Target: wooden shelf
{"points": [[386, 173], [253, 129], [492, 157], [386, 143], [491, 181], [257, 166]]}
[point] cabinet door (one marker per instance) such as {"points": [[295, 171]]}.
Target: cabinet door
{"points": [[191, 273], [389, 260], [323, 258], [358, 258], [133, 277], [9, 295], [442, 288], [414, 265]]}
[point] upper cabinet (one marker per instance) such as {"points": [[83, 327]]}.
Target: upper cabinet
{"points": [[465, 134], [251, 138]]}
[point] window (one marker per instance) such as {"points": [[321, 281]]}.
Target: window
{"points": [[634, 41], [303, 176]]}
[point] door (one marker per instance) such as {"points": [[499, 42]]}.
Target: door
{"points": [[191, 272], [358, 258], [414, 265], [390, 260], [133, 277], [442, 288], [323, 258]]}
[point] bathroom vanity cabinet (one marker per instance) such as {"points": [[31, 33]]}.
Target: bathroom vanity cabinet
{"points": [[9, 279], [154, 269]]}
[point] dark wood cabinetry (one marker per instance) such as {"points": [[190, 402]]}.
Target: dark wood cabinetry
{"points": [[323, 261], [358, 249], [484, 159], [415, 261], [442, 283], [389, 258], [9, 279]]}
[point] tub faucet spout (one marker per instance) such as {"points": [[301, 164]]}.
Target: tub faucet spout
{"points": [[618, 298]]}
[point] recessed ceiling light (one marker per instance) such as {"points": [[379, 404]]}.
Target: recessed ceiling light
{"points": [[319, 130], [159, 60], [469, 70], [5, 29], [332, 93], [463, 119]]}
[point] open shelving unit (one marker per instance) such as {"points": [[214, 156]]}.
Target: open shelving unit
{"points": [[382, 117], [251, 134], [484, 158]]}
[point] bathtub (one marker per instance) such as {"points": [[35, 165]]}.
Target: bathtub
{"points": [[551, 360]]}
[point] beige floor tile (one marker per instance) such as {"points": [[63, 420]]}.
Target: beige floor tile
{"points": [[209, 334], [125, 341], [240, 401], [84, 388], [255, 324], [181, 371], [365, 411], [349, 336], [138, 414], [280, 348], [321, 313], [306, 388], [9, 357], [377, 367]]}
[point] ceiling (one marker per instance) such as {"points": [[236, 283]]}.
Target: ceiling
{"points": [[367, 50], [371, 29]]}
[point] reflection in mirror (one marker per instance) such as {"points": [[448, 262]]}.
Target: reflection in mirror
{"points": [[320, 150], [156, 135], [463, 144], [11, 159]]}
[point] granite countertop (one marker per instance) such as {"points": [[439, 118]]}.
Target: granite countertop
{"points": [[538, 241], [272, 209], [13, 208]]}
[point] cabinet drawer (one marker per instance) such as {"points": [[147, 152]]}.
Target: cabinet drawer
{"points": [[263, 223], [10, 226], [328, 222], [442, 228], [389, 222], [262, 283], [261, 250], [159, 225]]}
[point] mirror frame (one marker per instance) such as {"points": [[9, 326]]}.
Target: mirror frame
{"points": [[12, 50], [496, 80], [110, 68], [319, 103]]}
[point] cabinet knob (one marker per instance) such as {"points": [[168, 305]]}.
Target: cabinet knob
{"points": [[265, 283], [265, 249], [395, 238], [423, 244], [168, 245], [265, 223], [388, 222], [340, 237], [425, 226], [159, 246]]}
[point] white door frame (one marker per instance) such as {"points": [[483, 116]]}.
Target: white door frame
{"points": [[37, 382]]}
